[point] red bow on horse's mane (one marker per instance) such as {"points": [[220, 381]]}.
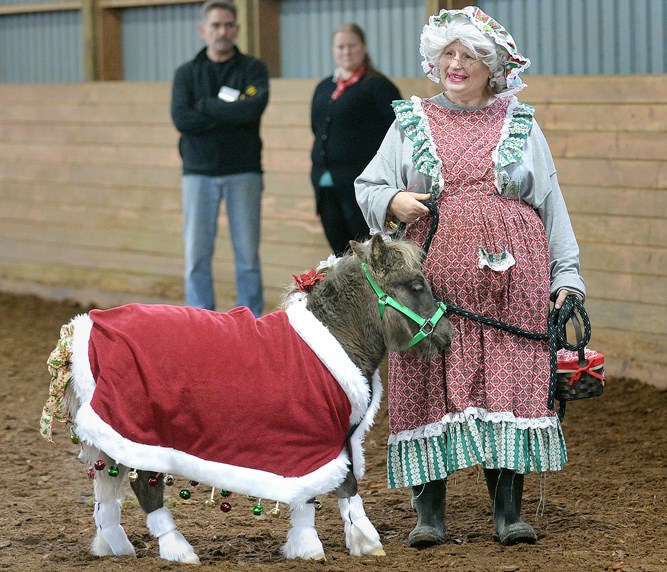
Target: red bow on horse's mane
{"points": [[305, 282]]}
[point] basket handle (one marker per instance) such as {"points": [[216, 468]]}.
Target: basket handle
{"points": [[580, 322], [581, 347]]}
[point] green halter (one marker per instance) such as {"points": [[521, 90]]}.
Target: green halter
{"points": [[426, 327]]}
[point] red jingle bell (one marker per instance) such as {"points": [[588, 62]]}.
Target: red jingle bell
{"points": [[225, 507], [90, 473], [99, 465]]}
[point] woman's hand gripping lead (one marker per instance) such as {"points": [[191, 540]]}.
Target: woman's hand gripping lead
{"points": [[407, 207]]}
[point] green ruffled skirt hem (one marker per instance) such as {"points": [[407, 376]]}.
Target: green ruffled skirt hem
{"points": [[471, 442]]}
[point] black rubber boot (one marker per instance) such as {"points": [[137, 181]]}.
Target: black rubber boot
{"points": [[430, 505], [506, 489]]}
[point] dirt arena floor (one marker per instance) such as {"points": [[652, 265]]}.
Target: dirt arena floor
{"points": [[606, 511]]}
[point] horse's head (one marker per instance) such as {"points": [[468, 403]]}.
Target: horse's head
{"points": [[410, 316]]}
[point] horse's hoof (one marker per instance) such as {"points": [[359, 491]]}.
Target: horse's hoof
{"points": [[517, 533], [379, 551], [425, 536], [175, 548]]}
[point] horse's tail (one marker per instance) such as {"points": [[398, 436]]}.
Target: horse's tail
{"points": [[62, 403]]}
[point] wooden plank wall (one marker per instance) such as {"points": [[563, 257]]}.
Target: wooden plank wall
{"points": [[90, 195]]}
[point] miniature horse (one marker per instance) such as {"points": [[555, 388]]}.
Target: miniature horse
{"points": [[275, 407]]}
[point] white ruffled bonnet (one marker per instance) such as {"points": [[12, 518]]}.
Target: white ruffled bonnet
{"points": [[515, 64]]}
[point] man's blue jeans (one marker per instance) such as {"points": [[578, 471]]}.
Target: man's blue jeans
{"points": [[201, 204]]}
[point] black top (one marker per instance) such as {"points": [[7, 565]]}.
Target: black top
{"points": [[349, 130], [219, 137]]}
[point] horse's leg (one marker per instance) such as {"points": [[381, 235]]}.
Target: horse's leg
{"points": [[110, 539], [302, 539], [361, 537], [159, 520]]}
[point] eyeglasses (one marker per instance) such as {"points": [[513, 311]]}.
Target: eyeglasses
{"points": [[466, 61]]}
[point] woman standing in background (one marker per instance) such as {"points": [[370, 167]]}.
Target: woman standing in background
{"points": [[350, 114]]}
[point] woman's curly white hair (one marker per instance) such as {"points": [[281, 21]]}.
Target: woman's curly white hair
{"points": [[435, 39]]}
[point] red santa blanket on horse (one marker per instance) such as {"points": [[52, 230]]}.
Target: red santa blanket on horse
{"points": [[258, 406]]}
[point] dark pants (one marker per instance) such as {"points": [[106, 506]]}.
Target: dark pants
{"points": [[341, 218]]}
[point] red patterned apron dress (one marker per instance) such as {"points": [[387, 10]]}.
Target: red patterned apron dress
{"points": [[479, 401]]}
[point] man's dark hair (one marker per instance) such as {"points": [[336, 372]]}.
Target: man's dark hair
{"points": [[218, 4]]}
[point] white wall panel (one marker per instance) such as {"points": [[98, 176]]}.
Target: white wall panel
{"points": [[561, 37], [392, 30], [575, 37], [41, 47], [157, 39]]}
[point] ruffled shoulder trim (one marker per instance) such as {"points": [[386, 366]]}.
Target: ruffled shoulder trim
{"points": [[411, 117], [512, 142]]}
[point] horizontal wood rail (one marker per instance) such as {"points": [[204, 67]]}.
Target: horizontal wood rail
{"points": [[90, 189]]}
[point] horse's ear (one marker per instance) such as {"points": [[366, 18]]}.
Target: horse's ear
{"points": [[356, 247], [380, 253]]}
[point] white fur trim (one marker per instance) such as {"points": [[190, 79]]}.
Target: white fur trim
{"points": [[110, 537], [82, 376], [160, 521], [333, 356], [302, 540], [361, 538], [357, 438], [220, 475], [173, 546], [348, 375]]}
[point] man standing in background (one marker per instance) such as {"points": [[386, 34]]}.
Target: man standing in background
{"points": [[217, 102]]}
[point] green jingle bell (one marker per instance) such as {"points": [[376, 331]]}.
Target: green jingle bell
{"points": [[257, 510], [113, 471], [185, 494], [74, 437], [225, 493]]}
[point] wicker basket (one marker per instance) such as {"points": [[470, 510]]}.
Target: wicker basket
{"points": [[580, 374]]}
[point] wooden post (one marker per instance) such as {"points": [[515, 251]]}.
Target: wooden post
{"points": [[89, 44], [109, 48], [260, 31], [434, 6], [267, 27]]}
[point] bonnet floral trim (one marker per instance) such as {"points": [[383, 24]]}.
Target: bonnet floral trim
{"points": [[514, 134], [516, 62], [412, 119]]}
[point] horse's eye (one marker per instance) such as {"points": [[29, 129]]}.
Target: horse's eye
{"points": [[417, 286]]}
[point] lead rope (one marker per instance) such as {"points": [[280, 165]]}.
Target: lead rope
{"points": [[556, 321]]}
